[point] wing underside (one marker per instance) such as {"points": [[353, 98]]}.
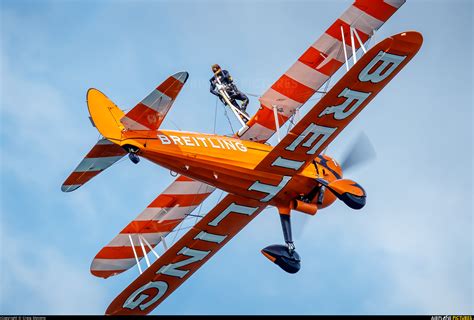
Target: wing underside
{"points": [[187, 255], [317, 64], [150, 227], [312, 134]]}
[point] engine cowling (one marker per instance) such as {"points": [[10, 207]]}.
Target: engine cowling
{"points": [[348, 191]]}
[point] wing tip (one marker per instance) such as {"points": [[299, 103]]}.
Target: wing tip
{"points": [[182, 76], [69, 187]]}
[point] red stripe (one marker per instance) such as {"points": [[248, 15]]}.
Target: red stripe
{"points": [[265, 117], [170, 87], [376, 8], [80, 177], [335, 32], [105, 274], [293, 89], [313, 58], [150, 226], [184, 178], [145, 116], [121, 252], [106, 150], [184, 200]]}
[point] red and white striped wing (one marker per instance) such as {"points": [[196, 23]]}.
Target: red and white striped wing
{"points": [[150, 112], [104, 154], [160, 218], [314, 67]]}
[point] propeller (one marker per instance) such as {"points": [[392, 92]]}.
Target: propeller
{"points": [[360, 152]]}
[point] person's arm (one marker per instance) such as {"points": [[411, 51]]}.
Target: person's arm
{"points": [[213, 87], [226, 75]]}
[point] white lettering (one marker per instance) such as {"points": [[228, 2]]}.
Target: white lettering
{"points": [[351, 96], [132, 302], [235, 208], [287, 163], [172, 268], [210, 237], [164, 139], [229, 145], [316, 131], [203, 140], [212, 144], [241, 146], [176, 140], [271, 190], [187, 141], [389, 64]]}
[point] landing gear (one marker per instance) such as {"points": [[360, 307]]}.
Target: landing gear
{"points": [[284, 256], [132, 153], [134, 158]]}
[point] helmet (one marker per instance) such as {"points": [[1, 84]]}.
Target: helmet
{"points": [[215, 67]]}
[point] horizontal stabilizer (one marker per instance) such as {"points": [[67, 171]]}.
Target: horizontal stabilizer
{"points": [[104, 154]]}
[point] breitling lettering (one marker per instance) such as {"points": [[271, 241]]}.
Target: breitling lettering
{"points": [[314, 136], [207, 142], [140, 299]]}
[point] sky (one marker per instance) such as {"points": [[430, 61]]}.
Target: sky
{"points": [[409, 251]]}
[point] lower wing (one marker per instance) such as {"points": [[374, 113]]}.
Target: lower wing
{"points": [[150, 227], [186, 256]]}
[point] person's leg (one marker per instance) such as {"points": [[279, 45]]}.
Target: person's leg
{"points": [[241, 97]]}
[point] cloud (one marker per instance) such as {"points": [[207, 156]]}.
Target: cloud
{"points": [[37, 278]]}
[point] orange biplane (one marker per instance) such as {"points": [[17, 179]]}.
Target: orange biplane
{"points": [[293, 175]]}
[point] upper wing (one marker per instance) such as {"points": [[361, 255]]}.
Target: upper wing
{"points": [[150, 112], [314, 67], [187, 255], [160, 218], [341, 104], [104, 154]]}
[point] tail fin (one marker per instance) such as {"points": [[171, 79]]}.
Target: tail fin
{"points": [[151, 111], [110, 121]]}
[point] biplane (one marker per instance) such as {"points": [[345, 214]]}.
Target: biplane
{"points": [[294, 175]]}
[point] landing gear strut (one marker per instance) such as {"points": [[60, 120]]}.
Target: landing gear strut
{"points": [[284, 256]]}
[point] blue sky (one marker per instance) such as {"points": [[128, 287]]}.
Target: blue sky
{"points": [[410, 250]]}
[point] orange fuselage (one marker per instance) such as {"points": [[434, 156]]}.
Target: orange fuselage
{"points": [[227, 163]]}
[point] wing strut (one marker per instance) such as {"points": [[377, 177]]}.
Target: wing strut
{"points": [[135, 253]]}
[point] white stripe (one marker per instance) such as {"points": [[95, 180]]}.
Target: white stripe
{"points": [[158, 101], [306, 75], [131, 124], [122, 240], [96, 164], [69, 187], [112, 264], [395, 3], [188, 187], [272, 97], [360, 20], [104, 141], [181, 76], [257, 132], [163, 214], [332, 47]]}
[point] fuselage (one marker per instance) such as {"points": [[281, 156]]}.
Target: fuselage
{"points": [[227, 163]]}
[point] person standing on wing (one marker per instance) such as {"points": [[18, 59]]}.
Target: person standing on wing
{"points": [[224, 77]]}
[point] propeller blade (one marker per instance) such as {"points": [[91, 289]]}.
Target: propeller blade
{"points": [[360, 152]]}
